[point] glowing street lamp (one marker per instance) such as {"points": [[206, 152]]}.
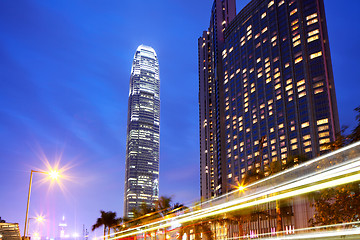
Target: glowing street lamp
{"points": [[241, 188], [53, 175]]}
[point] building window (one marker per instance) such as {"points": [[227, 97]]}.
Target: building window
{"points": [[315, 55]]}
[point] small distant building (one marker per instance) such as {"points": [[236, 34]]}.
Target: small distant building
{"points": [[63, 233], [9, 231]]}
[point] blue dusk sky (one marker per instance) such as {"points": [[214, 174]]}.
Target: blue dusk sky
{"points": [[64, 82]]}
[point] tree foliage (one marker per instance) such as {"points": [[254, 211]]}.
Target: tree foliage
{"points": [[108, 220], [336, 205], [339, 204], [162, 207], [355, 134]]}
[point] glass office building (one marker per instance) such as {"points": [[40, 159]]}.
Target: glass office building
{"points": [[276, 94], [143, 126]]}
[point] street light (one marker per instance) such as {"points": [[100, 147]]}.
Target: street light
{"points": [[38, 219], [54, 175], [241, 188]]}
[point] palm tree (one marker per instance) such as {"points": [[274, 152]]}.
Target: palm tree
{"points": [[108, 219], [142, 213], [163, 205]]}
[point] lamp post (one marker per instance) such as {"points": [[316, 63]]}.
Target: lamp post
{"points": [[53, 175], [39, 219]]}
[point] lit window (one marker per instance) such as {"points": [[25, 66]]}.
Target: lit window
{"points": [[323, 128], [319, 90], [308, 149], [325, 140], [281, 3], [319, 84], [297, 37], [301, 82], [311, 16], [293, 147], [301, 88], [263, 15], [316, 37], [299, 59], [297, 43], [312, 21], [264, 30], [302, 94], [306, 137], [308, 143], [294, 22], [305, 124], [293, 12], [294, 140], [316, 31], [322, 121], [315, 55], [323, 148], [270, 4], [324, 134]]}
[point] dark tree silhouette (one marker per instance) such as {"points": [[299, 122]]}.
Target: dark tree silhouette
{"points": [[108, 220]]}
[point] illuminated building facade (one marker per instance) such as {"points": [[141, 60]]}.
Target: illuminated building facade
{"points": [[277, 94], [143, 128]]}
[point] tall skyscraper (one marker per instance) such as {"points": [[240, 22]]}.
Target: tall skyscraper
{"points": [[210, 68], [275, 95], [143, 128]]}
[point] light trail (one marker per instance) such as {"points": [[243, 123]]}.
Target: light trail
{"points": [[347, 171], [305, 233], [255, 200]]}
